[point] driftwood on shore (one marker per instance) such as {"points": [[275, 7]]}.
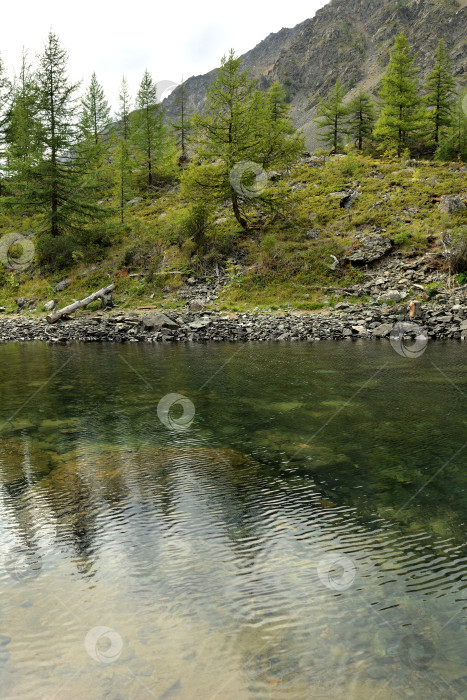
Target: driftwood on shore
{"points": [[67, 310]]}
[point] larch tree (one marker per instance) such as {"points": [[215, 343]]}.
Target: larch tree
{"points": [[440, 100], [24, 145], [227, 133], [233, 139], [182, 125], [360, 119], [4, 100], [331, 116], [148, 130], [95, 122], [281, 145], [402, 116], [453, 142], [122, 160], [57, 192]]}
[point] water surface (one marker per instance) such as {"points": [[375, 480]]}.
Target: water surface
{"points": [[293, 527]]}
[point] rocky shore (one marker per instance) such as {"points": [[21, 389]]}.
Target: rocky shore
{"points": [[442, 320]]}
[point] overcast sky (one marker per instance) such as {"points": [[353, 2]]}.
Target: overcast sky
{"points": [[171, 39]]}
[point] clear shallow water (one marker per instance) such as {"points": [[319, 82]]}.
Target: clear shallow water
{"points": [[302, 537]]}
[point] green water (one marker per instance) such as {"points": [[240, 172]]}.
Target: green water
{"points": [[291, 526]]}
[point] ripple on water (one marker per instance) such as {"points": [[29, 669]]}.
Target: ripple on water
{"points": [[185, 570]]}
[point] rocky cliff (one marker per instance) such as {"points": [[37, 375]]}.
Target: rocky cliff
{"points": [[350, 39]]}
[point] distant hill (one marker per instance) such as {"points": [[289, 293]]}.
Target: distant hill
{"points": [[350, 39]]}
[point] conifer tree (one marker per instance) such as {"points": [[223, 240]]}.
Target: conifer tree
{"points": [[453, 143], [401, 116], [122, 162], [23, 131], [331, 115], [182, 124], [56, 191], [95, 121], [234, 138], [149, 133], [95, 134], [360, 119], [23, 134], [4, 97], [280, 144], [441, 88], [226, 133]]}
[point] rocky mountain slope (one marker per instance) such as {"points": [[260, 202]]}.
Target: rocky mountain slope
{"points": [[350, 39], [259, 61]]}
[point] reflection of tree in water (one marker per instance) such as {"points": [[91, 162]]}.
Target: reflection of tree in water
{"points": [[361, 457], [16, 466]]}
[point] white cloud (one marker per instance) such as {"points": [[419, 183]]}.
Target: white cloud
{"points": [[170, 40]]}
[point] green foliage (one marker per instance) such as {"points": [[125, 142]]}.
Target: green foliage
{"points": [[453, 144], [95, 130], [23, 141], [149, 134], [402, 237], [5, 88], [331, 116], [401, 117], [441, 87], [55, 252], [49, 180], [240, 132], [280, 144], [122, 164], [360, 115], [195, 224], [183, 124], [192, 231], [234, 274], [269, 246]]}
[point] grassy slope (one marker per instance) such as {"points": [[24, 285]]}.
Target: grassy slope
{"points": [[276, 265]]}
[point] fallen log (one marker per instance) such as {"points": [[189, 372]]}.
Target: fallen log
{"points": [[67, 310]]}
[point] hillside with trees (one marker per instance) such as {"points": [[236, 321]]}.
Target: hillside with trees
{"points": [[147, 202]]}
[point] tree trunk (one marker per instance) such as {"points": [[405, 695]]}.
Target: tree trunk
{"points": [[54, 227], [67, 310], [236, 211]]}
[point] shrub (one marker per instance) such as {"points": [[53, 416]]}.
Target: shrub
{"points": [[195, 224], [55, 252]]}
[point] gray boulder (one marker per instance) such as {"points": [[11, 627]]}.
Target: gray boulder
{"points": [[371, 248], [391, 295], [158, 321], [382, 330], [197, 305], [200, 323], [61, 286], [451, 203]]}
